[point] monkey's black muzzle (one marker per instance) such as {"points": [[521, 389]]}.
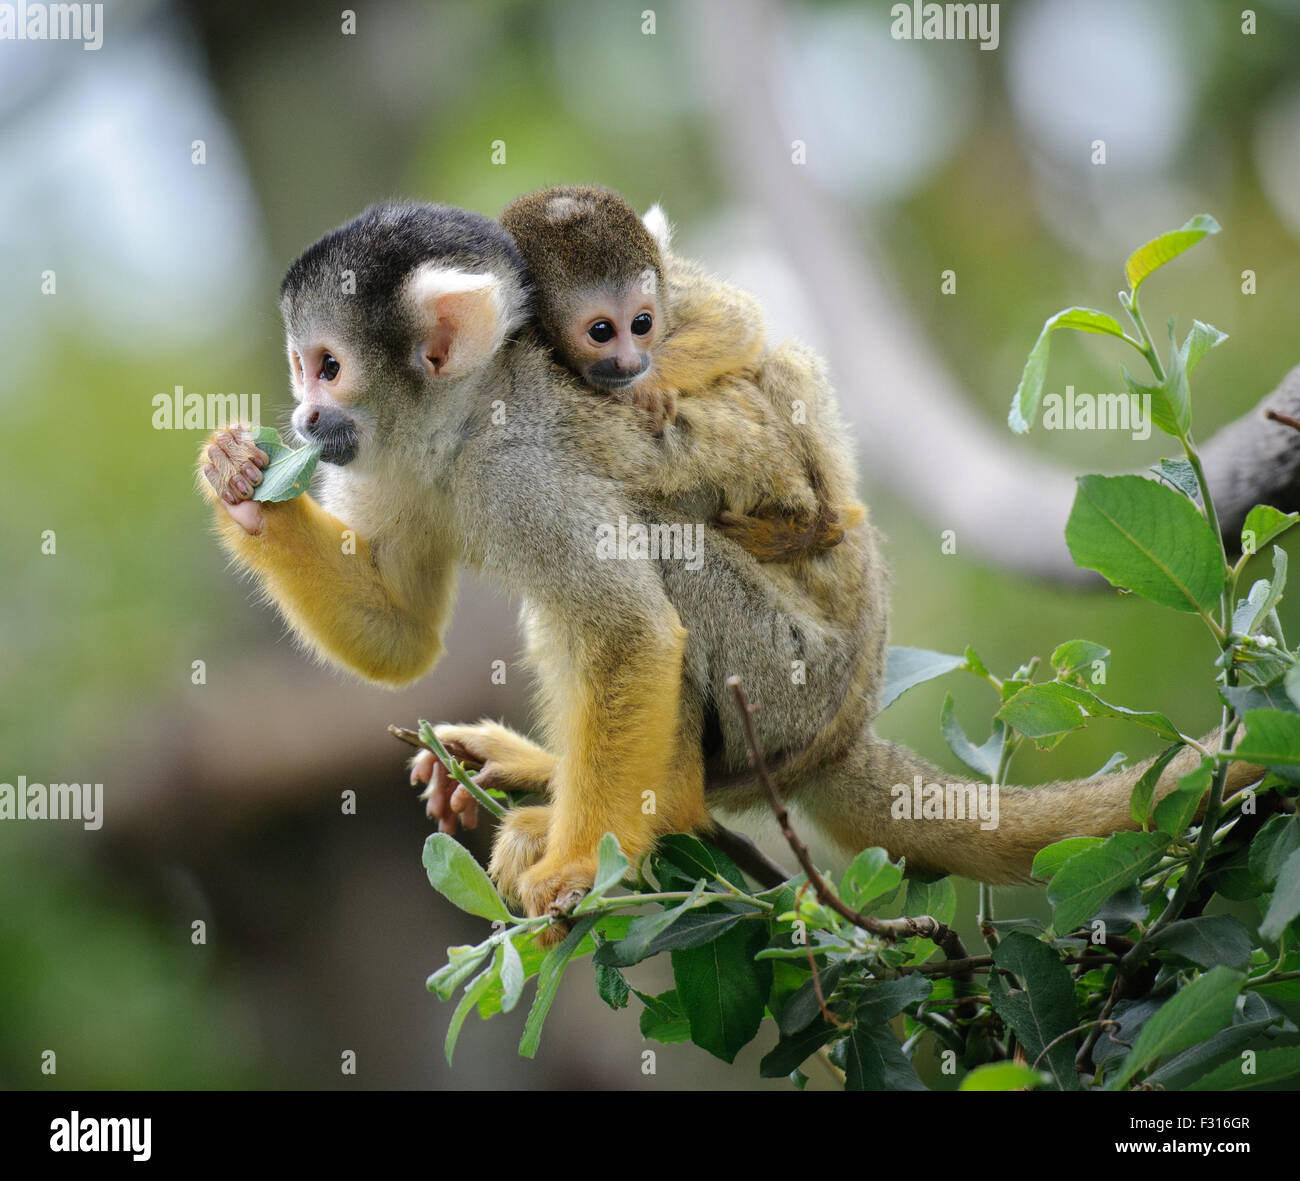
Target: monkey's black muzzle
{"points": [[332, 429]]}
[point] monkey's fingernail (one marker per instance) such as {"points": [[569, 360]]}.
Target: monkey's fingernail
{"points": [[243, 487], [254, 476], [262, 457]]}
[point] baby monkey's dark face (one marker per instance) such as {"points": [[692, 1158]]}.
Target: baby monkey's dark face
{"points": [[608, 334]]}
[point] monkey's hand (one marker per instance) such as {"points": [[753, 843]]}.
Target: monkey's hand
{"points": [[774, 534], [231, 465], [505, 761], [655, 398]]}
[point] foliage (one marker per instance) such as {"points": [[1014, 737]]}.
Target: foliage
{"points": [[1134, 984]]}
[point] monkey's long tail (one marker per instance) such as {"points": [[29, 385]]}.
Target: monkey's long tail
{"points": [[999, 846]]}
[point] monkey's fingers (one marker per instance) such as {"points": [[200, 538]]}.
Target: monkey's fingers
{"points": [[447, 801]]}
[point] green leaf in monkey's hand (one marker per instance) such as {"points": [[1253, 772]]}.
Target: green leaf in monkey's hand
{"points": [[1145, 537], [289, 472]]}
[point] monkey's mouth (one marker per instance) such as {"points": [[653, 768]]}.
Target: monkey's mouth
{"points": [[616, 383], [338, 445]]}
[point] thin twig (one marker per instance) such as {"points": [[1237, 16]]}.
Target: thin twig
{"points": [[891, 929], [1284, 419]]}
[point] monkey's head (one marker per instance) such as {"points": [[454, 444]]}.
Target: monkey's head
{"points": [[597, 275], [386, 313]]}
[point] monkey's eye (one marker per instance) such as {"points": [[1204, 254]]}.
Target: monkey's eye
{"points": [[601, 331], [329, 367], [642, 324]]}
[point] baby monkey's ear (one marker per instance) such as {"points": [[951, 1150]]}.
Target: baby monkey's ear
{"points": [[460, 317], [661, 230]]}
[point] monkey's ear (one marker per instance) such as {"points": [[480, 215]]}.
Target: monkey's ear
{"points": [[656, 221], [461, 318]]}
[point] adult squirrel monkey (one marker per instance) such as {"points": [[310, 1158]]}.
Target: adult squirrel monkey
{"points": [[449, 436]]}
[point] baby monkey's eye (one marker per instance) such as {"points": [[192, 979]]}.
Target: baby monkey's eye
{"points": [[642, 324], [601, 331], [329, 367]]}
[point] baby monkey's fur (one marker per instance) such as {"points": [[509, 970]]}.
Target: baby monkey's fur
{"points": [[594, 263]]}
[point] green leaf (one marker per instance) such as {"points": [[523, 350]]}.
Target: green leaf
{"points": [[1177, 472], [642, 931], [1174, 813], [1043, 1010], [1002, 1076], [790, 1052], [1191, 1015], [722, 990], [1273, 844], [869, 875], [611, 865], [1272, 738], [911, 666], [1244, 698], [874, 1061], [610, 985], [663, 1019], [548, 984], [1262, 524], [1029, 394], [460, 879], [1144, 537], [697, 859], [1074, 655], [1039, 711], [1083, 883], [1206, 941], [885, 999], [799, 1011], [690, 930], [1263, 597], [1154, 254], [1285, 903], [512, 975], [1200, 340], [937, 898], [1183, 1071], [289, 472], [983, 760], [1271, 1066], [1139, 804], [461, 962], [1050, 858], [477, 987]]}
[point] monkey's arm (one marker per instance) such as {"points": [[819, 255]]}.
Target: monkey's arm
{"points": [[331, 588], [717, 329]]}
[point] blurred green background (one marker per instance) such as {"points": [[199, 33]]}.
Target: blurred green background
{"points": [[222, 798]]}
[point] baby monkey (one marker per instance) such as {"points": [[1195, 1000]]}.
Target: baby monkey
{"points": [[636, 322]]}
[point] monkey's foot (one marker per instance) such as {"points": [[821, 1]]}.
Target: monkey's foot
{"points": [[555, 889], [520, 844]]}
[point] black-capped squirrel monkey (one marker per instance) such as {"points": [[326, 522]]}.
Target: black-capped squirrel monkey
{"points": [[451, 437], [636, 322]]}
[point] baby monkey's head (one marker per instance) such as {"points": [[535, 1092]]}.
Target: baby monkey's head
{"points": [[598, 280]]}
